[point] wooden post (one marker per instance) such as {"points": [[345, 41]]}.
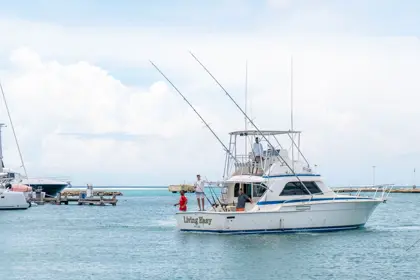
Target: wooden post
{"points": [[114, 200], [58, 199]]}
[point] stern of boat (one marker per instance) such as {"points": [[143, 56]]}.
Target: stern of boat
{"points": [[200, 221]]}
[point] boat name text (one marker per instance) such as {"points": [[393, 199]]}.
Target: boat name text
{"points": [[196, 221]]}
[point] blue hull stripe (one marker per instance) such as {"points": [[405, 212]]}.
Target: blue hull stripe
{"points": [[291, 175], [308, 199], [280, 230]]}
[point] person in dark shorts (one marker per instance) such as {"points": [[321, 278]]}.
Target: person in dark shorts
{"points": [[242, 199]]}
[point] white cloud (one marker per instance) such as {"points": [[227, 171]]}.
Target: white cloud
{"points": [[279, 3], [355, 99]]}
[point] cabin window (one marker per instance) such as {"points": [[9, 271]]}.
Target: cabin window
{"points": [[296, 188], [246, 188], [259, 189]]}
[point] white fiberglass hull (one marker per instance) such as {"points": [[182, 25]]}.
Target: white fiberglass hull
{"points": [[13, 201], [327, 216]]}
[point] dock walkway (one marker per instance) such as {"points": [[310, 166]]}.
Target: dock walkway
{"points": [[101, 199]]}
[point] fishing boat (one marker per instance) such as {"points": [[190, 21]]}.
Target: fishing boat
{"points": [[287, 194], [287, 197]]}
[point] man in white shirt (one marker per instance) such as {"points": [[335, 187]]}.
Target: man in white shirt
{"points": [[199, 192], [257, 150]]}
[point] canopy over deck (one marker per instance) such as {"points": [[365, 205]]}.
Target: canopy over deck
{"points": [[263, 132], [245, 179]]}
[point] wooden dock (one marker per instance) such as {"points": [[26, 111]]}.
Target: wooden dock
{"points": [[99, 192], [397, 190], [184, 187], [99, 198]]}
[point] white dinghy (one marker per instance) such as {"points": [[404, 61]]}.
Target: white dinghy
{"points": [[288, 197]]}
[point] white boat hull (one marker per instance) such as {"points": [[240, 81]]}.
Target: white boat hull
{"points": [[317, 216], [13, 201]]}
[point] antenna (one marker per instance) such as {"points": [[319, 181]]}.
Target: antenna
{"points": [[291, 109], [246, 106], [13, 129]]}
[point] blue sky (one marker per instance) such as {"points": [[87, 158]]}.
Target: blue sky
{"points": [[373, 17], [84, 64]]}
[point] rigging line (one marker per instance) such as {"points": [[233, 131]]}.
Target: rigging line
{"points": [[13, 129], [192, 107], [253, 124], [246, 105], [412, 245], [300, 152]]}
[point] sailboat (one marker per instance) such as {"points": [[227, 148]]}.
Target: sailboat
{"points": [[49, 186], [9, 200]]}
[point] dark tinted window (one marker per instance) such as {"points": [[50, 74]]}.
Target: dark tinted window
{"points": [[259, 189], [296, 188], [235, 191], [246, 188]]}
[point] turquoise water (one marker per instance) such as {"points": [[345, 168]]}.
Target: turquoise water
{"points": [[138, 239]]}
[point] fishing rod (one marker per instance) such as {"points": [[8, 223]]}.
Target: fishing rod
{"points": [[212, 190], [212, 196], [192, 107], [207, 125], [250, 120], [214, 200], [212, 205]]}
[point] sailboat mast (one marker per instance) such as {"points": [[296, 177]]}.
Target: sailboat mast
{"points": [[13, 129], [246, 106], [291, 109], [1, 149]]}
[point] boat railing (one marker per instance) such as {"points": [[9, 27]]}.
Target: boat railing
{"points": [[6, 180], [245, 164], [383, 189], [57, 178]]}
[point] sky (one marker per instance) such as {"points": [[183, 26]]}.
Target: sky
{"points": [[87, 105]]}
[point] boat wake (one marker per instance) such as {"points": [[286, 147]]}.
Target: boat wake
{"points": [[404, 228]]}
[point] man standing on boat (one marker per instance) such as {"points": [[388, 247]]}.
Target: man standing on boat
{"points": [[242, 200], [257, 150], [199, 192], [182, 202]]}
